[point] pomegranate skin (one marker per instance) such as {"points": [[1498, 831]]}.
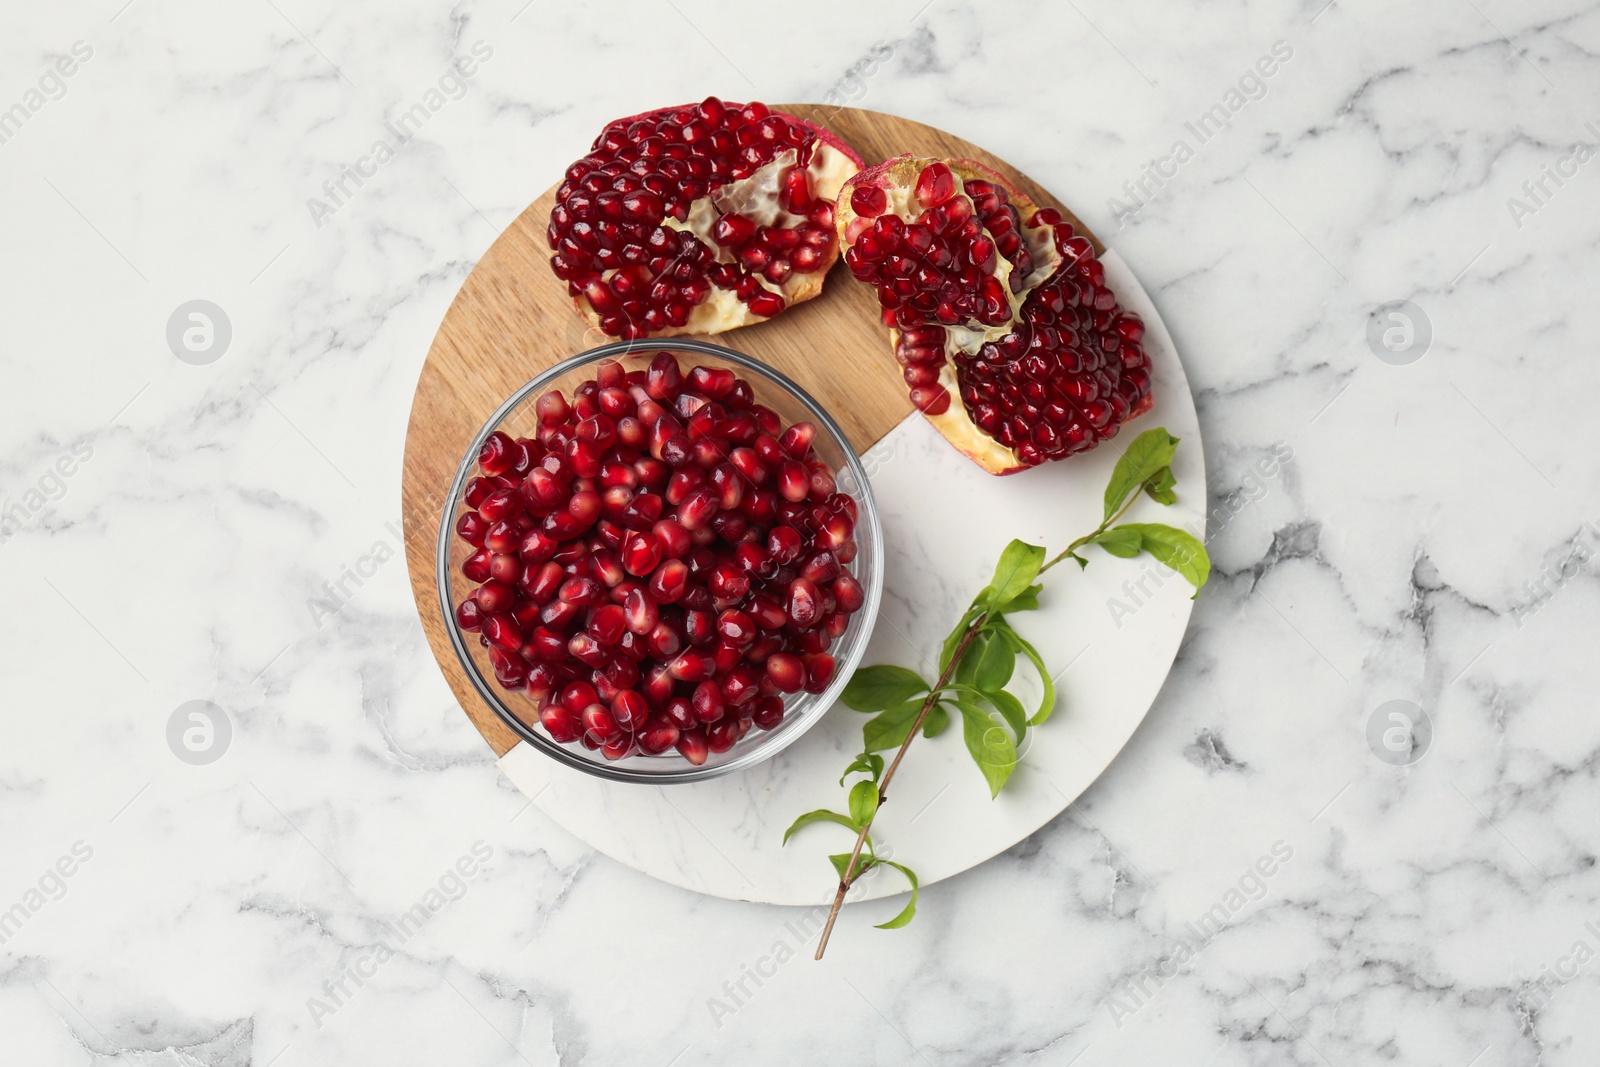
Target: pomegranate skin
{"points": [[1007, 338], [656, 231]]}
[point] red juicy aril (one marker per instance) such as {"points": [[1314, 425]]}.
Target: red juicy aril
{"points": [[699, 218], [1008, 339], [660, 564]]}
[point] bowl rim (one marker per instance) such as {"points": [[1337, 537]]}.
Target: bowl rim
{"points": [[618, 771]]}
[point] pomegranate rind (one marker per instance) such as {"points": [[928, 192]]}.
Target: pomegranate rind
{"points": [[898, 177], [718, 314]]}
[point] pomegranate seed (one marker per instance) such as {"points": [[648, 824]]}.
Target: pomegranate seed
{"points": [[769, 713], [580, 591], [819, 672], [736, 627], [621, 748], [502, 631], [707, 702], [700, 627], [786, 671], [657, 737], [599, 723], [669, 581], [740, 686], [496, 454], [608, 624], [754, 560], [785, 544], [848, 594], [495, 598], [681, 714], [641, 612], [477, 489], [472, 528], [692, 746], [693, 666], [728, 583], [585, 649], [704, 614], [697, 508], [722, 736], [560, 723], [510, 669], [820, 568], [552, 408], [796, 440], [629, 710], [672, 538], [868, 201], [665, 641], [805, 603]]}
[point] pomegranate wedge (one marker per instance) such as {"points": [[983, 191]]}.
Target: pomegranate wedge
{"points": [[1009, 341], [698, 219]]}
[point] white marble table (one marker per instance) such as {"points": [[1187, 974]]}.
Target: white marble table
{"points": [[1248, 884]]}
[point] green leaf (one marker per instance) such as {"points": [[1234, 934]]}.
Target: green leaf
{"points": [[1047, 702], [937, 720], [866, 763], [994, 669], [863, 802], [842, 860], [883, 686], [1027, 600], [954, 639], [1143, 462], [967, 669], [1124, 542], [889, 729], [1018, 567], [1011, 708], [1178, 549], [989, 744], [821, 815], [909, 912], [1160, 488]]}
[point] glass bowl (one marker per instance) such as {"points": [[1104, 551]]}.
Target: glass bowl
{"points": [[802, 710]]}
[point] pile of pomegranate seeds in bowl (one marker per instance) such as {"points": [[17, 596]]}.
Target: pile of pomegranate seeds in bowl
{"points": [[662, 563]]}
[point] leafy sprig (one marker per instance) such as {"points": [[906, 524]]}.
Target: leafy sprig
{"points": [[978, 663]]}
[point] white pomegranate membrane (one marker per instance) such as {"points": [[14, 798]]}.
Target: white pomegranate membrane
{"points": [[699, 218], [998, 304], [660, 563]]}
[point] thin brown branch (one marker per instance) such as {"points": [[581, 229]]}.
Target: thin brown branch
{"points": [[888, 775]]}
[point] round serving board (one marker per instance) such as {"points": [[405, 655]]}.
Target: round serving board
{"points": [[945, 523]]}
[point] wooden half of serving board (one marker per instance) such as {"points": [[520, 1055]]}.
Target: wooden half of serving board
{"points": [[513, 318]]}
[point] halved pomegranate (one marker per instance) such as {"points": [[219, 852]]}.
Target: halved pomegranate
{"points": [[999, 302], [699, 218]]}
